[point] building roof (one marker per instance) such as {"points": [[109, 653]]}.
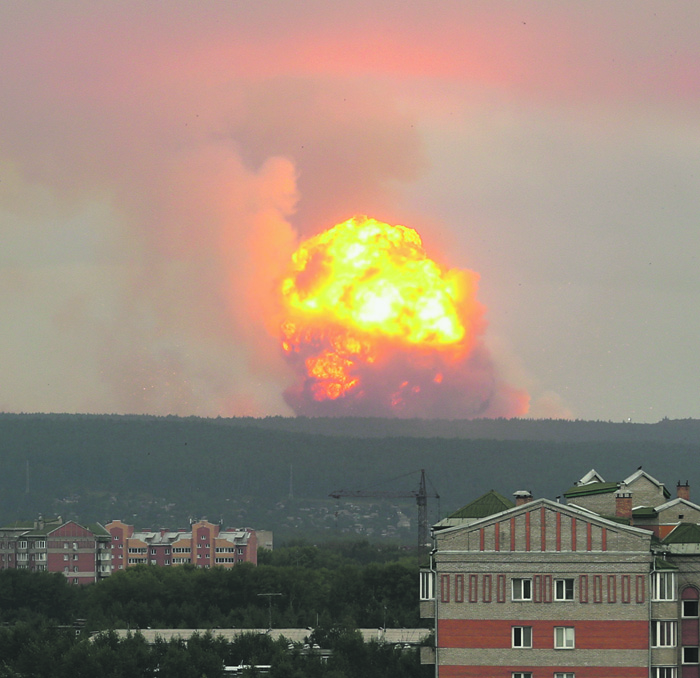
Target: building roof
{"points": [[644, 512], [486, 505], [591, 488], [591, 477], [683, 533], [640, 472]]}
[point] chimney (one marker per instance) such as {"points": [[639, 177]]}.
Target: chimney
{"points": [[522, 497], [683, 491], [623, 503]]}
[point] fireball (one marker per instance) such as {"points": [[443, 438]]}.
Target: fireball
{"points": [[374, 326]]}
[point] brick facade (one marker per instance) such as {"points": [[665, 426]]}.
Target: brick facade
{"points": [[544, 588]]}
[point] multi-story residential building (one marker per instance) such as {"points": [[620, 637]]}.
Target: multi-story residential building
{"points": [[81, 553], [604, 586], [204, 545]]}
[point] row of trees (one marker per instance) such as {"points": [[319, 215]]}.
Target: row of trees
{"points": [[316, 586], [42, 649]]}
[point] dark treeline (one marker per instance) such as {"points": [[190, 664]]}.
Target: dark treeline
{"points": [[332, 590], [160, 471], [42, 649], [318, 587]]}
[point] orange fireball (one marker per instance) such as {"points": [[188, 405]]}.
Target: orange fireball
{"points": [[363, 296]]}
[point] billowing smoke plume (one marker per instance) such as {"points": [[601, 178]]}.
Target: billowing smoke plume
{"points": [[376, 328]]}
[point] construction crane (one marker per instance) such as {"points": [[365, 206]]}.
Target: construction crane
{"points": [[421, 495]]}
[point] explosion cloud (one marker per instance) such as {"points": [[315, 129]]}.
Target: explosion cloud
{"points": [[374, 327]]}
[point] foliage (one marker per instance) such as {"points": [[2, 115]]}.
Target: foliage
{"points": [[41, 649]]}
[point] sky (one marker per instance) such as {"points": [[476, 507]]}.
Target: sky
{"points": [[160, 162]]}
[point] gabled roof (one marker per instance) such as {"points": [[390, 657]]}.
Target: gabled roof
{"points": [[591, 477], [644, 512], [591, 488], [486, 505], [642, 473], [536, 504], [675, 502], [683, 533]]}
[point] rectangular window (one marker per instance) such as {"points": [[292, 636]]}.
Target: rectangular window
{"points": [[564, 638], [641, 579], [40, 545], [612, 588], [520, 674], [22, 544], [564, 675], [663, 633], [426, 583], [522, 589], [663, 586], [690, 608], [690, 655], [522, 636], [664, 672], [563, 589]]}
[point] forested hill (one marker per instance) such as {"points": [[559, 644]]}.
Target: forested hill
{"points": [[561, 430], [277, 473]]}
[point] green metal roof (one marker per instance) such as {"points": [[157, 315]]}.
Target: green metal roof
{"points": [[663, 564], [486, 505], [683, 533], [644, 512], [591, 488]]}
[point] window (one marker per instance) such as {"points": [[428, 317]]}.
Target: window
{"points": [[663, 586], [663, 633], [521, 675], [690, 608], [563, 589], [522, 636], [522, 589], [116, 537], [564, 638], [66, 556], [40, 544], [564, 675], [22, 544], [690, 655], [664, 672]]}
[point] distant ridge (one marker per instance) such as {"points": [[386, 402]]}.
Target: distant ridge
{"points": [[162, 471]]}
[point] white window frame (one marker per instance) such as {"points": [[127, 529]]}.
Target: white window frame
{"points": [[664, 672], [566, 639], [521, 674], [564, 589], [427, 586], [564, 675], [521, 583], [691, 647], [697, 608], [521, 637], [664, 633], [663, 585]]}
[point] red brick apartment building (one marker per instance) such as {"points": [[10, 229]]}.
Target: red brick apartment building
{"points": [[606, 585], [81, 553], [204, 545]]}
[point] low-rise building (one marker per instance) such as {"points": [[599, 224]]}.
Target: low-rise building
{"points": [[81, 552], [204, 545], [604, 586]]}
